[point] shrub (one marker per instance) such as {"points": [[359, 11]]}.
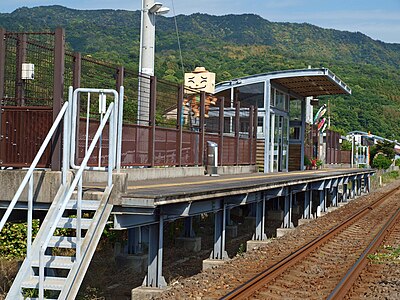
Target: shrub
{"points": [[13, 239], [397, 162], [381, 162]]}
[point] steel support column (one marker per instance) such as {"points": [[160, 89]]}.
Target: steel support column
{"points": [[287, 210], [188, 228], [344, 192], [307, 204], [219, 235], [260, 221], [335, 196], [135, 240], [154, 276]]}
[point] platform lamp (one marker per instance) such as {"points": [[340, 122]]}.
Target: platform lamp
{"points": [[150, 10]]}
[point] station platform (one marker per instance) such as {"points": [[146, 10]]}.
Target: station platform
{"points": [[173, 190]]}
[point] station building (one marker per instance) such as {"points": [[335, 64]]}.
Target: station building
{"points": [[283, 100]]}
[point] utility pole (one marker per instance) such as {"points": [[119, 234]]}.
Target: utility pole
{"points": [[147, 49]]}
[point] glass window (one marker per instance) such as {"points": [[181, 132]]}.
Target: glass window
{"points": [[251, 94], [280, 100], [295, 110]]}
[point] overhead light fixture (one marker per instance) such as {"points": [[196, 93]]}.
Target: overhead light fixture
{"points": [[156, 6], [162, 10]]}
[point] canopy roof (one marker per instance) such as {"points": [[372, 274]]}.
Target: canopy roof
{"points": [[305, 82]]}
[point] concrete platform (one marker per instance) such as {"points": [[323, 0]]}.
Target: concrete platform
{"points": [[304, 221], [282, 231], [213, 263], [251, 245], [144, 293]]}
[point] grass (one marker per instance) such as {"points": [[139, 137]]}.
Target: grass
{"points": [[385, 255]]}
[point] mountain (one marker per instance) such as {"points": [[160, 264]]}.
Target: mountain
{"points": [[239, 45]]}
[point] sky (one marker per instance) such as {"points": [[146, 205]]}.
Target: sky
{"points": [[378, 19]]}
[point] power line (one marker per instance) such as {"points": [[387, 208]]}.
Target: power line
{"points": [[177, 35]]}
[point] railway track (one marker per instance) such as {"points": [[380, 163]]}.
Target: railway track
{"points": [[319, 270]]}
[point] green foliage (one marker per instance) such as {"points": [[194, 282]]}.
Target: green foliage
{"points": [[13, 239], [241, 250], [381, 162], [238, 45], [387, 254], [386, 148], [346, 145], [307, 161], [397, 162]]}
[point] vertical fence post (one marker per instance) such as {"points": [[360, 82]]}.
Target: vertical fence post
{"points": [[120, 77], [179, 123], [20, 59], [2, 61], [221, 129], [202, 126], [237, 130], [254, 137], [59, 53], [152, 118], [251, 139], [76, 83]]}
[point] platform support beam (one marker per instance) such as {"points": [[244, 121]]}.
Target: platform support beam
{"points": [[154, 276], [335, 196], [307, 204], [287, 210], [260, 221], [344, 192], [188, 228], [219, 235]]}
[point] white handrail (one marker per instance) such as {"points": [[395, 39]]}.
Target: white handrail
{"points": [[110, 114], [33, 165]]}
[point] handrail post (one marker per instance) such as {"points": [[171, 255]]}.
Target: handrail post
{"points": [[202, 126], [59, 53], [179, 125], [237, 130], [221, 129], [119, 129], [152, 119], [30, 213]]}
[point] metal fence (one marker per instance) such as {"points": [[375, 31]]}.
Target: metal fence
{"points": [[164, 123]]}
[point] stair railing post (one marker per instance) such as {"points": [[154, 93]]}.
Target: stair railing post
{"points": [[111, 154], [78, 221], [120, 124], [41, 271], [30, 207], [221, 129]]}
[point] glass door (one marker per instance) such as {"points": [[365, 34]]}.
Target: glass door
{"points": [[279, 142]]}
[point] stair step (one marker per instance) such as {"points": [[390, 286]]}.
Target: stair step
{"points": [[63, 242], [56, 262], [86, 204], [71, 223], [50, 283]]}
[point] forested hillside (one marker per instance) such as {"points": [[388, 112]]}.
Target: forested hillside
{"points": [[238, 45]]}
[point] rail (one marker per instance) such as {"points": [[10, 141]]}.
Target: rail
{"points": [[348, 280], [252, 285], [29, 175]]}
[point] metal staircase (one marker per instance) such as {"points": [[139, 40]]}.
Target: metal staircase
{"points": [[61, 252]]}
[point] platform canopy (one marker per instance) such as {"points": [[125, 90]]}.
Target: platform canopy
{"points": [[304, 82]]}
